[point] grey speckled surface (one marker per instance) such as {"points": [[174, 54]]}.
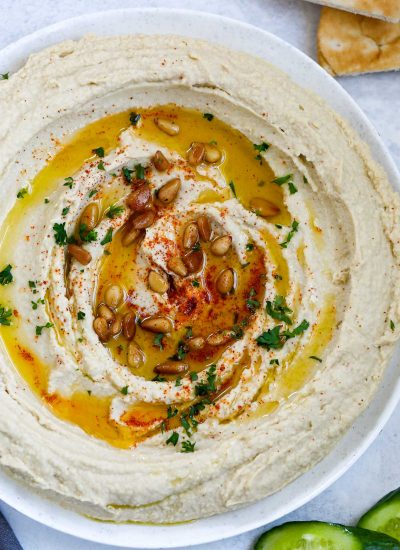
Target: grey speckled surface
{"points": [[377, 472]]}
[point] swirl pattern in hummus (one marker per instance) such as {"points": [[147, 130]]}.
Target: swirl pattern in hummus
{"points": [[305, 327]]}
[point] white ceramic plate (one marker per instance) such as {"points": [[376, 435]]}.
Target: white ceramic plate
{"points": [[304, 71]]}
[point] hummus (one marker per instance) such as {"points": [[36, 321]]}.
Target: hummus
{"points": [[191, 314]]}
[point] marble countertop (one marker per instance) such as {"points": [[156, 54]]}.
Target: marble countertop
{"points": [[377, 471]]}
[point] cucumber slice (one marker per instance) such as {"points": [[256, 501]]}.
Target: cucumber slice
{"points": [[384, 516], [316, 535]]}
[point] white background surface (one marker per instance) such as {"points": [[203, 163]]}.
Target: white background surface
{"points": [[377, 472]]}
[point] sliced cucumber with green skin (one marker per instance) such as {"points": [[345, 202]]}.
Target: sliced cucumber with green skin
{"points": [[316, 535], [384, 516]]}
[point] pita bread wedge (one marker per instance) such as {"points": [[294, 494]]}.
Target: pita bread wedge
{"points": [[388, 10], [353, 44]]}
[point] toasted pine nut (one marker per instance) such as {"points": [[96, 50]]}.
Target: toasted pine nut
{"points": [[225, 281], [196, 153], [196, 343], [221, 245], [100, 327], [158, 282], [157, 324], [193, 261], [169, 191], [80, 254], [171, 367], [130, 235], [160, 162], [135, 355], [220, 337], [90, 216], [129, 325], [212, 153], [139, 198], [142, 220], [190, 235], [105, 312], [177, 266], [113, 296], [116, 326], [203, 223], [263, 207], [167, 126]]}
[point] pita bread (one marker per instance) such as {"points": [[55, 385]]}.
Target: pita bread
{"points": [[388, 10], [354, 44]]}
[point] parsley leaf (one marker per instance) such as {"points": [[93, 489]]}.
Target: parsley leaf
{"points": [[39, 328], [36, 304], [173, 439], [81, 315], [290, 235], [316, 358], [249, 247], [114, 210], [6, 275], [232, 186], [108, 237], [65, 211], [124, 390], [127, 173], [60, 235], [92, 192], [270, 339], [171, 412], [278, 310], [283, 179], [188, 447], [158, 340], [69, 182], [85, 235], [139, 171], [208, 386], [100, 166], [181, 351], [22, 192], [392, 325], [5, 314], [99, 151], [4, 76], [208, 116], [158, 378], [302, 327], [134, 118], [195, 283]]}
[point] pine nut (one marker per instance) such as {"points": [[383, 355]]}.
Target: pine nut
{"points": [[129, 325], [212, 154], [113, 296], [160, 162], [169, 191], [263, 207], [105, 312], [225, 281], [221, 245], [139, 198], [135, 355], [167, 126], [116, 326], [177, 266], [196, 343], [142, 220], [90, 216], [157, 324], [158, 282], [171, 367], [100, 327], [80, 254], [130, 235], [193, 261], [190, 235], [219, 338], [203, 223], [196, 153]]}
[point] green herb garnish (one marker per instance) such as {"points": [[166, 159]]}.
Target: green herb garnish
{"points": [[195, 283], [6, 275], [208, 116], [5, 314], [100, 166], [173, 439], [69, 182], [114, 210], [290, 235], [188, 447], [22, 192], [158, 340], [65, 211], [99, 151], [4, 76], [108, 237], [124, 390], [316, 358], [39, 328], [81, 315], [278, 310], [392, 325], [232, 186], [92, 193], [134, 118], [36, 304], [60, 235], [139, 171], [85, 235]]}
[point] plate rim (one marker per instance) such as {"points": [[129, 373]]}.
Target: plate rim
{"points": [[94, 532]]}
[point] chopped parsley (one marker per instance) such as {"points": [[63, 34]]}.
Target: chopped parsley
{"points": [[85, 235], [290, 235], [127, 173], [279, 310], [6, 275], [134, 118], [305, 180], [158, 340], [46, 200], [65, 211], [208, 386], [277, 277], [158, 378], [249, 247], [5, 314], [100, 166], [208, 116], [260, 148], [39, 328], [275, 339], [316, 358], [232, 186], [188, 447], [196, 247], [194, 376], [108, 237], [139, 171], [189, 333], [178, 381], [92, 192], [251, 303], [173, 439], [114, 210], [181, 351], [195, 283], [36, 304], [81, 315], [4, 76], [392, 325], [292, 188], [22, 192], [124, 390], [32, 284], [60, 235], [99, 151], [274, 362], [69, 182], [283, 179], [185, 424], [171, 412]]}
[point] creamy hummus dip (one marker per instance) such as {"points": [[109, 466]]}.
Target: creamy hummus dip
{"points": [[199, 277]]}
